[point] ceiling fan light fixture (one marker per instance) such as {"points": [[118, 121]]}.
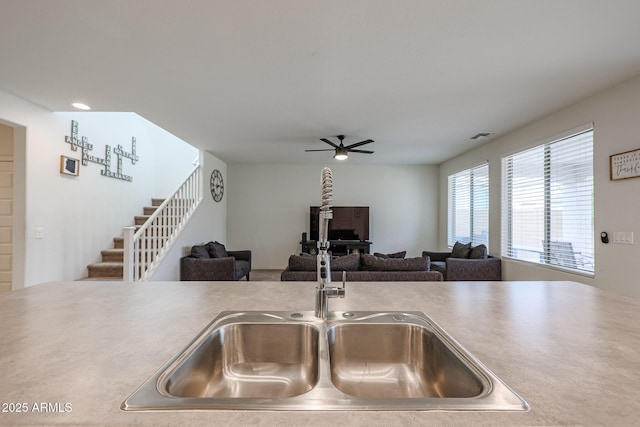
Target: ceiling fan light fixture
{"points": [[341, 154]]}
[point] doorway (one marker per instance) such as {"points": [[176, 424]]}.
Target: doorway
{"points": [[6, 208]]}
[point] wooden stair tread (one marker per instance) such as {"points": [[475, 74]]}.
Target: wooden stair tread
{"points": [[107, 264], [112, 265]]}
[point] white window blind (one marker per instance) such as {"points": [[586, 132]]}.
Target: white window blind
{"points": [[547, 204], [468, 218]]}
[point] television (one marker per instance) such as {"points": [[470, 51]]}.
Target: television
{"points": [[348, 223]]}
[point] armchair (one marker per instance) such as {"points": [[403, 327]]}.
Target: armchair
{"points": [[458, 266], [212, 262]]}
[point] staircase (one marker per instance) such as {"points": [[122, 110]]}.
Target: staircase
{"points": [[111, 266]]}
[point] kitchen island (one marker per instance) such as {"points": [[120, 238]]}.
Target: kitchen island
{"points": [[72, 352]]}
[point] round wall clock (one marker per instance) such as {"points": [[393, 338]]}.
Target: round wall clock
{"points": [[217, 185]]}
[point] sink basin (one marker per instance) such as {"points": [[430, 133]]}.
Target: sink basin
{"points": [[398, 361], [351, 361], [248, 360]]}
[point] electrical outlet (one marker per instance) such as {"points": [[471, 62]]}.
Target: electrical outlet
{"points": [[623, 237], [39, 233]]}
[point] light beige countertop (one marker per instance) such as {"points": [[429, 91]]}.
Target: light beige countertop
{"points": [[81, 348]]}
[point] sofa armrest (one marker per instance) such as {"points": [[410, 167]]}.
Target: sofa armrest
{"points": [[206, 269], [437, 256], [473, 269], [241, 255]]}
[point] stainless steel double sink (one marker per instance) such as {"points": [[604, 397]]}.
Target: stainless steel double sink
{"points": [[351, 361]]}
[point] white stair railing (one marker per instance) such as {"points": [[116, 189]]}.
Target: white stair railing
{"points": [[145, 248]]}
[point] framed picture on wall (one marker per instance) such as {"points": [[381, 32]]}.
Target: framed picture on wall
{"points": [[69, 166], [624, 165]]}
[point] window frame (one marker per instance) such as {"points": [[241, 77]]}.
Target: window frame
{"points": [[554, 254], [481, 169]]}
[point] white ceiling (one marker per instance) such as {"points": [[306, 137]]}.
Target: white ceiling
{"points": [[261, 81]]}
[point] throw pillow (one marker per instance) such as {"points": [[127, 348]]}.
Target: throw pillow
{"points": [[302, 263], [374, 263], [217, 250], [200, 251], [461, 250], [393, 255], [478, 252]]}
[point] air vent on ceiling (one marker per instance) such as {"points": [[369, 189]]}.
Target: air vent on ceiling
{"points": [[482, 135]]}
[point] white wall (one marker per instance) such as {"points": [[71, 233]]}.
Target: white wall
{"points": [[81, 215], [615, 114], [174, 159], [269, 206], [208, 223]]}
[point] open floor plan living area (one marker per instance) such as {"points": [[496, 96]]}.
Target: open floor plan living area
{"points": [[285, 212]]}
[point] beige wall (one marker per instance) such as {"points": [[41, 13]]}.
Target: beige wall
{"points": [[614, 113], [269, 206]]}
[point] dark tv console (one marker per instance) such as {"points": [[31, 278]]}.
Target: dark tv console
{"points": [[338, 247]]}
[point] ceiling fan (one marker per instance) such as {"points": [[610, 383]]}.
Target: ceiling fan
{"points": [[342, 151]]}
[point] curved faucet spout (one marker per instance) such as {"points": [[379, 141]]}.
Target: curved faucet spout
{"points": [[323, 260]]}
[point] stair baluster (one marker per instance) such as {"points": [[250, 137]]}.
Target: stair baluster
{"points": [[145, 248]]}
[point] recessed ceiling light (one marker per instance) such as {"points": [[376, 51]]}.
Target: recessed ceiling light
{"points": [[81, 106]]}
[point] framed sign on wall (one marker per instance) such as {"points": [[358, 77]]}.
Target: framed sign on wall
{"points": [[624, 165], [69, 166]]}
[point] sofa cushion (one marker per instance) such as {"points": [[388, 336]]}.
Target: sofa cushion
{"points": [[461, 250], [478, 252], [393, 255], [349, 262], [302, 262], [306, 262], [374, 263], [200, 251], [217, 250]]}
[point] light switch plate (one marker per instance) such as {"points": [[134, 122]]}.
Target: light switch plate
{"points": [[623, 237], [39, 233]]}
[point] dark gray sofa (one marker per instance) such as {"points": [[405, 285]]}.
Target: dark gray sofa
{"points": [[466, 263], [212, 262], [362, 268]]}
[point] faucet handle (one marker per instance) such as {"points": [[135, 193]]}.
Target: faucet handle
{"points": [[341, 292]]}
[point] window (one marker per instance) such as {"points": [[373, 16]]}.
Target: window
{"points": [[469, 206], [547, 203]]}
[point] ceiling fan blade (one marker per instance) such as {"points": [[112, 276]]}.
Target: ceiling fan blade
{"points": [[328, 142], [361, 151], [325, 149], [357, 144]]}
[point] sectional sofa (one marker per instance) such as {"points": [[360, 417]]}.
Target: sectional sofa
{"points": [[362, 268]]}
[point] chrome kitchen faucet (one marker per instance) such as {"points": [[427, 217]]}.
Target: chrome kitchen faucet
{"points": [[323, 262]]}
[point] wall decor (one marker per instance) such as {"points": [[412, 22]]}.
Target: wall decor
{"points": [[69, 166], [85, 148], [217, 185], [624, 165]]}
